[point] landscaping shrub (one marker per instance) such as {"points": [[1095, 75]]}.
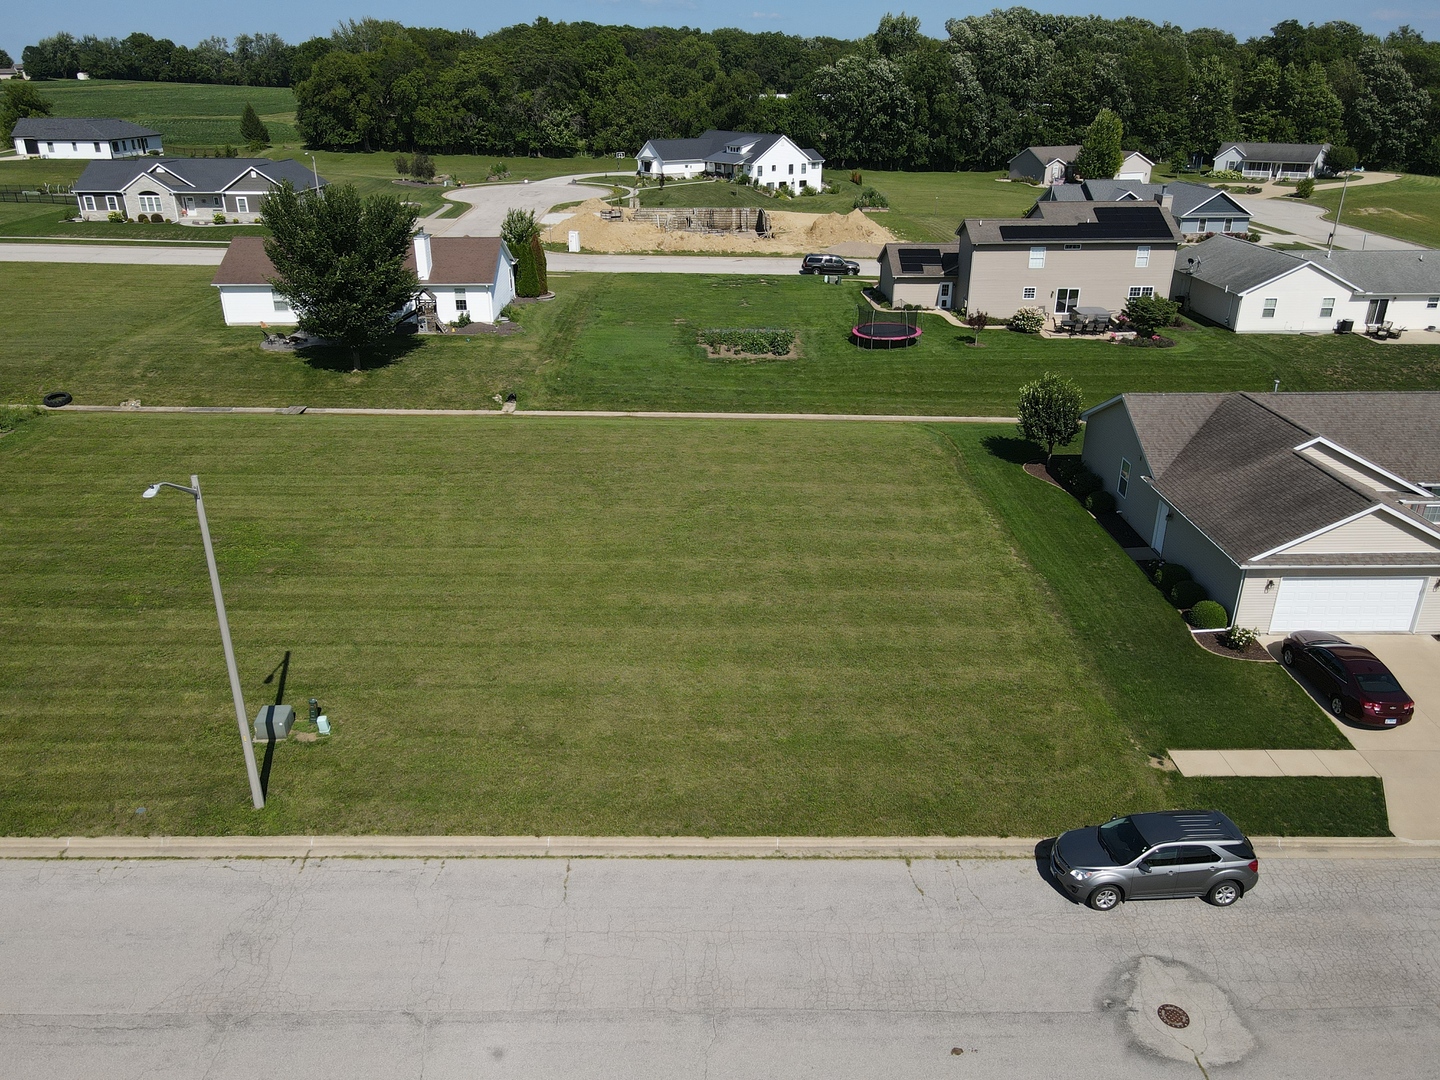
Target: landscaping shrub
{"points": [[1238, 638], [1028, 320], [219, 218], [870, 198], [1100, 502], [1305, 188], [402, 164], [115, 217], [1341, 159], [537, 260], [423, 167], [1070, 472], [1207, 615], [1186, 594], [156, 219], [1225, 174], [1154, 341], [756, 342], [856, 178], [1168, 575], [1146, 315]]}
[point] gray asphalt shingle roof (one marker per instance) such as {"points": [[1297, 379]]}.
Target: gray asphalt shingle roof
{"points": [[1185, 198], [191, 174], [1228, 462], [1079, 222], [1237, 265], [1384, 271], [711, 147], [77, 129], [1282, 152]]}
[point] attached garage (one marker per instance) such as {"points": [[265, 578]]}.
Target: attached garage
{"points": [[1348, 604]]}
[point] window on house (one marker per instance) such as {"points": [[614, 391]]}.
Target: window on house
{"points": [[1141, 290], [1028, 293], [772, 168], [74, 147], [97, 148], [1037, 258], [282, 306], [1142, 255], [461, 303], [1327, 307], [1122, 485], [50, 147], [1072, 247], [150, 204], [112, 202], [802, 168], [87, 202], [1269, 310], [242, 204], [792, 169], [1433, 302], [1229, 224]]}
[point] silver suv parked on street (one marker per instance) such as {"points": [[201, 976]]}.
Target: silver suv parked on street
{"points": [[1173, 853]]}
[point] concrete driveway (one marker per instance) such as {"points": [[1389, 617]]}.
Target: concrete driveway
{"points": [[487, 204], [1408, 757], [1305, 221]]}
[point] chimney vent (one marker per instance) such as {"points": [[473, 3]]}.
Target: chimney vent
{"points": [[424, 262]]}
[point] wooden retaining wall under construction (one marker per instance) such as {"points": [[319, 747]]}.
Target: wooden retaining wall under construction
{"points": [[710, 219]]}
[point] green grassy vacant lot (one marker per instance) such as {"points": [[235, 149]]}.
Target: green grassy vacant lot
{"points": [[1407, 208], [620, 341], [48, 220], [600, 627], [186, 114]]}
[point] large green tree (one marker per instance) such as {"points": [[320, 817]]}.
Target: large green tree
{"points": [[19, 99], [252, 128], [1387, 118], [1101, 155], [340, 261], [1049, 411]]}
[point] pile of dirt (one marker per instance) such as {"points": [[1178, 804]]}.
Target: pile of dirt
{"points": [[792, 233]]}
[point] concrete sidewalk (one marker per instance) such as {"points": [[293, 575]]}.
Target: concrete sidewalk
{"points": [[641, 847], [589, 414], [1271, 763]]}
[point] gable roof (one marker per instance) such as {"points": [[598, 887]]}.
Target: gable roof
{"points": [[1384, 271], [909, 262], [1073, 222], [1238, 266], [1067, 154], [1266, 151], [192, 174], [457, 260], [1185, 198], [77, 129], [1229, 462], [711, 147]]}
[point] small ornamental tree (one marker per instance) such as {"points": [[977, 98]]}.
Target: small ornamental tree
{"points": [[402, 164], [1149, 314], [1100, 155], [537, 259], [521, 233], [976, 320], [1049, 411], [423, 167], [252, 128], [1305, 188], [340, 261]]}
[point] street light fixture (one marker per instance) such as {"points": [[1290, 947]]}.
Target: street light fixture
{"points": [[257, 794]]}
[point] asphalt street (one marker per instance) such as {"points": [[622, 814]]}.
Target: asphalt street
{"points": [[696, 967]]}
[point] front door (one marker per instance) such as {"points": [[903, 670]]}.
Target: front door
{"points": [[1376, 312], [189, 205], [1065, 300], [945, 294], [1157, 535]]}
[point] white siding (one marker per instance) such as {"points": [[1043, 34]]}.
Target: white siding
{"points": [[1428, 621], [1374, 533], [251, 305], [1298, 299], [1257, 606], [782, 164], [1343, 602]]}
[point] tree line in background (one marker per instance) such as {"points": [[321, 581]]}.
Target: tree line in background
{"points": [[895, 98]]}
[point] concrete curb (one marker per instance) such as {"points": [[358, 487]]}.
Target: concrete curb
{"points": [[588, 414], [642, 847]]}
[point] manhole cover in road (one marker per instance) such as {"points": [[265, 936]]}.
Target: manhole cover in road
{"points": [[1173, 1016]]}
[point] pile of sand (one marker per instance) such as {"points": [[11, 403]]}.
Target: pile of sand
{"points": [[793, 233]]}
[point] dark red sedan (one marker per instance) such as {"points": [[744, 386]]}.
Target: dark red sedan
{"points": [[1351, 679]]}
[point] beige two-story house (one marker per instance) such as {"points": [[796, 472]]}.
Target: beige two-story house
{"points": [[1064, 256]]}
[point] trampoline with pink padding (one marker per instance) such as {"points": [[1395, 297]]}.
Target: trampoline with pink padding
{"points": [[884, 329]]}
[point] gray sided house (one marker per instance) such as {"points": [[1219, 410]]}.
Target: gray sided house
{"points": [[77, 137], [1198, 209], [180, 189], [919, 274], [1294, 511], [1064, 256], [1050, 164], [1272, 161]]}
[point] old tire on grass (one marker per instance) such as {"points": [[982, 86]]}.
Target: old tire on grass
{"points": [[56, 400]]}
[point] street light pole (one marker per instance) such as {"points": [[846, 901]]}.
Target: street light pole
{"points": [[1330, 247], [257, 794]]}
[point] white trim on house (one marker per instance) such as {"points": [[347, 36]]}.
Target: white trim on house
{"points": [[1320, 440], [1403, 519]]}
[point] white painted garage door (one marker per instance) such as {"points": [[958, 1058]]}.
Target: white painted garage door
{"points": [[1341, 603]]}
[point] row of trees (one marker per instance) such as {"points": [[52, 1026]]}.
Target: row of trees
{"points": [[993, 85]]}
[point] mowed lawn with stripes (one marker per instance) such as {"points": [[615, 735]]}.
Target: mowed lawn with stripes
{"points": [[600, 627]]}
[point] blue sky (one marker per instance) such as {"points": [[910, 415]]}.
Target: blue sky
{"points": [[188, 23]]}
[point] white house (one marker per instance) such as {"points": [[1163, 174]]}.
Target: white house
{"points": [[1050, 164], [74, 137], [1250, 289], [1272, 161], [769, 160], [185, 188], [473, 275]]}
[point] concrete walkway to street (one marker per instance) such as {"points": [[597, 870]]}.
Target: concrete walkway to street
{"points": [[1271, 763], [585, 414]]}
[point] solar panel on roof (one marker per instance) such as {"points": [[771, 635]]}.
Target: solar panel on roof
{"points": [[914, 260], [1111, 223]]}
